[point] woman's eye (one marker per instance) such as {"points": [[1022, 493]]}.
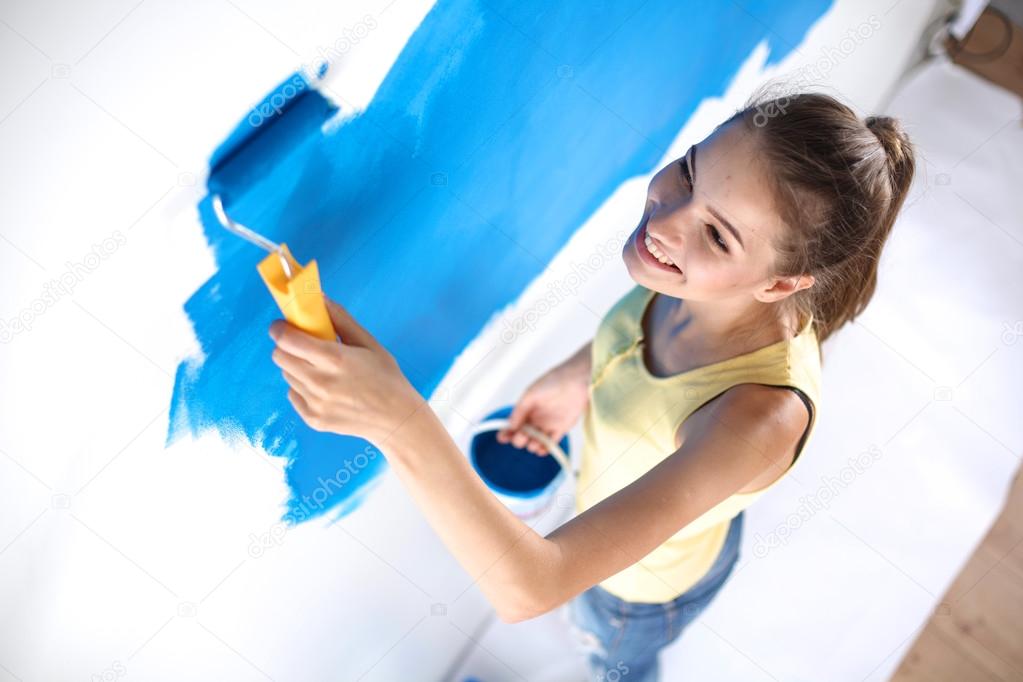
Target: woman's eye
{"points": [[714, 234], [716, 238], [684, 170]]}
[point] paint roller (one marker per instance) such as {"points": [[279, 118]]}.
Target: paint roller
{"points": [[294, 287]]}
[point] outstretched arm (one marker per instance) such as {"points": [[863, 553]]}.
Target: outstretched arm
{"points": [[749, 430], [357, 388]]}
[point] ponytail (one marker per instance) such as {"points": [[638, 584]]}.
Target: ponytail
{"points": [[841, 182]]}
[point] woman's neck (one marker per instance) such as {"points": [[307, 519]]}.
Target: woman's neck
{"points": [[714, 327]]}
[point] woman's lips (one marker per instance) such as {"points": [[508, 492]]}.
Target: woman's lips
{"points": [[648, 258]]}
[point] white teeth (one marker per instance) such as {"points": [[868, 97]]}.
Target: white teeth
{"points": [[657, 253]]}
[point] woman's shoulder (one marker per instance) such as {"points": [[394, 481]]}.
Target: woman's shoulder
{"points": [[772, 417]]}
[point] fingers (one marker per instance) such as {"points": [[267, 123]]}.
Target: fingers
{"points": [[301, 406], [298, 343], [300, 386], [515, 438], [536, 447], [350, 331], [515, 421], [300, 370], [514, 434], [521, 440]]}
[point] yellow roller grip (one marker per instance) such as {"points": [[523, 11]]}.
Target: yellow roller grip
{"points": [[299, 298]]}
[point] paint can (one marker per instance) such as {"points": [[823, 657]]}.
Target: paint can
{"points": [[526, 483]]}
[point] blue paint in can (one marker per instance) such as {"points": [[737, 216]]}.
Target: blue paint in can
{"points": [[522, 480]]}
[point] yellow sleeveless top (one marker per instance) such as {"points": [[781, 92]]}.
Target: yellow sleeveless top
{"points": [[630, 424]]}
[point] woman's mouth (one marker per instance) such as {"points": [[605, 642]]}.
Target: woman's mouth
{"points": [[651, 254]]}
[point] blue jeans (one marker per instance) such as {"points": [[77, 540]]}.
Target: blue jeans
{"points": [[624, 638]]}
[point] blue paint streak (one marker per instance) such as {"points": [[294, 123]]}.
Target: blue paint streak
{"points": [[474, 164]]}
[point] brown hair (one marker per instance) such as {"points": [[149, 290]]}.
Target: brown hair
{"points": [[839, 181]]}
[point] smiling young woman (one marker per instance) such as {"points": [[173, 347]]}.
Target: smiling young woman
{"points": [[699, 390]]}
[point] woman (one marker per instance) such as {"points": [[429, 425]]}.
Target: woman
{"points": [[700, 388]]}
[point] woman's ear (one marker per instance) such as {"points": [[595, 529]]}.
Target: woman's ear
{"points": [[805, 282], [783, 287]]}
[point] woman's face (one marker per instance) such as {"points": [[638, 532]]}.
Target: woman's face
{"points": [[711, 215]]}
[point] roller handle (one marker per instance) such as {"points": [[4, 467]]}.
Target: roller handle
{"points": [[300, 298]]}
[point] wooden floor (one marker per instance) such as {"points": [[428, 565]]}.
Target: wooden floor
{"points": [[976, 632]]}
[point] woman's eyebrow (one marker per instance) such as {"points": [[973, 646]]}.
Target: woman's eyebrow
{"points": [[727, 225]]}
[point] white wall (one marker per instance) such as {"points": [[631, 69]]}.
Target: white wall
{"points": [[114, 558]]}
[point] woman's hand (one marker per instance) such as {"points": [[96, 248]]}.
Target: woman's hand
{"points": [[354, 387], [552, 404]]}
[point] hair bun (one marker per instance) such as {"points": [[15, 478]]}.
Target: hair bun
{"points": [[890, 134], [882, 126]]}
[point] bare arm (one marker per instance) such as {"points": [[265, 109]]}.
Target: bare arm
{"points": [[750, 430], [553, 403], [746, 431]]}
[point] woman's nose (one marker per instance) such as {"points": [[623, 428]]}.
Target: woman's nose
{"points": [[667, 229]]}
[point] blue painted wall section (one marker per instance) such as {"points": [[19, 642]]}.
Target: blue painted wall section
{"points": [[499, 129]]}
